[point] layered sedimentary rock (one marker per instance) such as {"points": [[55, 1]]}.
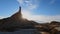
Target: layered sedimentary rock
{"points": [[14, 22], [51, 28]]}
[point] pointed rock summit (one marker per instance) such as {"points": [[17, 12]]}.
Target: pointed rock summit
{"points": [[18, 15], [14, 22]]}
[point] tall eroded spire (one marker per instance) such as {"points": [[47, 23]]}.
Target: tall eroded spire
{"points": [[20, 9], [17, 15]]}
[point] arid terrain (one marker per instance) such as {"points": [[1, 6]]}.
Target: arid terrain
{"points": [[16, 22]]}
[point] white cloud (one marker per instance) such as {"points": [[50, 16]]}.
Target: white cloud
{"points": [[40, 18], [1, 17], [52, 1], [45, 18], [28, 4], [20, 1], [32, 6]]}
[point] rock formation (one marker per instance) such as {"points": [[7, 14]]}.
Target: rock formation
{"points": [[52, 28], [14, 22]]}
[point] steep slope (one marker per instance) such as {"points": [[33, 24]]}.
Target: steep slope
{"points": [[14, 22]]}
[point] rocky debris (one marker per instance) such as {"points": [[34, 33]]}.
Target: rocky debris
{"points": [[16, 22], [51, 28], [44, 32]]}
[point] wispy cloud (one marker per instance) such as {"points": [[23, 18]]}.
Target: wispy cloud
{"points": [[20, 1], [45, 18], [28, 4], [52, 1], [1, 17], [40, 18]]}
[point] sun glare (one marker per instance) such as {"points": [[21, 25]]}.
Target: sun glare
{"points": [[26, 14]]}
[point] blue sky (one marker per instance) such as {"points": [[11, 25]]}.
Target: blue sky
{"points": [[8, 7], [38, 10]]}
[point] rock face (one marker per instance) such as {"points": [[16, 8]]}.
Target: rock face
{"points": [[49, 28], [14, 22]]}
